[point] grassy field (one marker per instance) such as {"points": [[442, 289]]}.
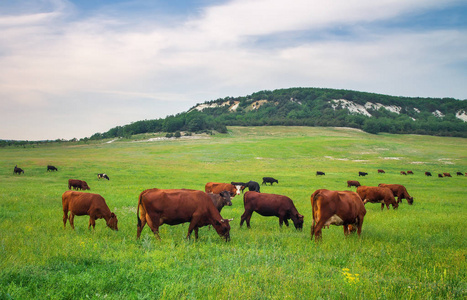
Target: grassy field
{"points": [[415, 252]]}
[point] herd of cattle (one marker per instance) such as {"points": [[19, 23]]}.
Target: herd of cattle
{"points": [[175, 206]]}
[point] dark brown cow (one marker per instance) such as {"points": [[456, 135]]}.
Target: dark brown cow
{"points": [[447, 175], [270, 205], [459, 174], [381, 171], [440, 175], [217, 188], [403, 173], [354, 183], [427, 173], [176, 206], [336, 208], [409, 172], [92, 205], [220, 200], [17, 170], [399, 191], [78, 184], [270, 180], [376, 194], [51, 168]]}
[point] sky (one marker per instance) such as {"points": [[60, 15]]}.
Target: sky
{"points": [[69, 69]]}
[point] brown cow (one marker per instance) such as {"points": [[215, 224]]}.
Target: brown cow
{"points": [[176, 206], [354, 183], [93, 205], [270, 205], [427, 173], [220, 200], [17, 170], [78, 184], [409, 172], [376, 194], [403, 173], [381, 171], [337, 208], [399, 191], [217, 188], [440, 175], [447, 175]]}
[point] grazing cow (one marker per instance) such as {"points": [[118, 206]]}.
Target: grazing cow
{"points": [[220, 200], [398, 191], [251, 185], [427, 173], [78, 184], [176, 206], [51, 168], [354, 183], [376, 194], [447, 175], [271, 205], [403, 173], [440, 175], [336, 208], [92, 205], [460, 174], [409, 172], [269, 180], [17, 170], [217, 188], [320, 173], [381, 171], [102, 176], [362, 173]]}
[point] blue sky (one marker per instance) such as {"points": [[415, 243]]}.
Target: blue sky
{"points": [[74, 68]]}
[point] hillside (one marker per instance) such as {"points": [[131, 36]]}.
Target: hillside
{"points": [[370, 112]]}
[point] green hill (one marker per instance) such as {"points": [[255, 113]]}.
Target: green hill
{"points": [[370, 112]]}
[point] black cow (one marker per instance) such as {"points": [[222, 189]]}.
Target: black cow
{"points": [[460, 174], [251, 185], [362, 173], [103, 175], [320, 173], [51, 168], [17, 170], [269, 180]]}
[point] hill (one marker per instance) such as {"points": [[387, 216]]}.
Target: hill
{"points": [[370, 112]]}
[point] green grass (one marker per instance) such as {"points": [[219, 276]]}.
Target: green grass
{"points": [[415, 252]]}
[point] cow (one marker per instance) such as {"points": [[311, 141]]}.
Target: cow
{"points": [[460, 174], [427, 173], [220, 200], [336, 208], [176, 206], [440, 175], [403, 173], [270, 180], [398, 191], [217, 188], [354, 183], [17, 170], [376, 194], [102, 176], [409, 172], [78, 184], [362, 173], [271, 205], [92, 205], [447, 175], [320, 173], [51, 168], [381, 171], [252, 186]]}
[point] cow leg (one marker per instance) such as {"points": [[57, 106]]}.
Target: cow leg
{"points": [[359, 225], [346, 230], [286, 222], [246, 217], [154, 223], [382, 206], [65, 217], [71, 218], [140, 227], [196, 233], [92, 222], [193, 226]]}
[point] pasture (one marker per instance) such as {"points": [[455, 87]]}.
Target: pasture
{"points": [[415, 252]]}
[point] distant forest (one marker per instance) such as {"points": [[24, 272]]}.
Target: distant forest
{"points": [[311, 107], [307, 107]]}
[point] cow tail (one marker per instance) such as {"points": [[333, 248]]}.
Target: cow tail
{"points": [[137, 209]]}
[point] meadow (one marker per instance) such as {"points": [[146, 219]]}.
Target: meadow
{"points": [[414, 252]]}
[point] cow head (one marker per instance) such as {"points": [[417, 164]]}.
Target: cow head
{"points": [[112, 222], [410, 200], [238, 189], [222, 227], [298, 221], [226, 199]]}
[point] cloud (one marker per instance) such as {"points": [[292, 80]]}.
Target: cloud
{"points": [[102, 69]]}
